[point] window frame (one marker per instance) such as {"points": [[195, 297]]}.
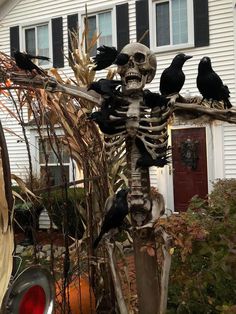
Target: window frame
{"points": [[153, 34], [53, 164], [103, 9], [25, 26], [74, 172]]}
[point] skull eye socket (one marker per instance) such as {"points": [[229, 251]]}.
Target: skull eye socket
{"points": [[139, 57]]}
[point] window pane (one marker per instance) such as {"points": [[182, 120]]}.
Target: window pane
{"points": [[92, 29], [55, 174], [179, 21], [43, 42], [30, 46], [105, 28], [51, 156], [162, 24]]}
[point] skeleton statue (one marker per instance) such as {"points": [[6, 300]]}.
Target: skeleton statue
{"points": [[134, 122], [139, 130]]}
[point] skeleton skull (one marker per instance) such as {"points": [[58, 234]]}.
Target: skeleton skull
{"points": [[139, 70]]}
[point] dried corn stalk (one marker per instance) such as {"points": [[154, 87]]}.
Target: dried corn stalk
{"points": [[6, 231]]}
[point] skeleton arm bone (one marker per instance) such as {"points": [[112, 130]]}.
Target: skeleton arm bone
{"points": [[50, 84]]}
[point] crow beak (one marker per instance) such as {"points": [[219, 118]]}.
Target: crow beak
{"points": [[187, 57]]}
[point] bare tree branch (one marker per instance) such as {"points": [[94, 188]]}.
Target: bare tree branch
{"points": [[197, 110]]}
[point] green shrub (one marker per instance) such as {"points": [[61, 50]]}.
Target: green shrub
{"points": [[66, 209], [205, 281]]}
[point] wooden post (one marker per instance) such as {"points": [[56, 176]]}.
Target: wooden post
{"points": [[147, 274]]}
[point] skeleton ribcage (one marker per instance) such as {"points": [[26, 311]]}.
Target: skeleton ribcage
{"points": [[150, 127]]}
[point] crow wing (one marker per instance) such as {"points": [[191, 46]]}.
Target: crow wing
{"points": [[172, 80], [105, 57]]}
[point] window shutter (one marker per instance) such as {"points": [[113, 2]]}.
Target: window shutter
{"points": [[72, 24], [122, 25], [142, 21], [14, 39], [57, 43], [201, 23]]}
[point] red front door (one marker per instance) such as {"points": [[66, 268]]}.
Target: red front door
{"points": [[189, 165]]}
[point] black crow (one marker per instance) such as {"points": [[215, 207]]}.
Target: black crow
{"points": [[210, 84], [153, 100], [103, 119], [23, 61], [106, 87], [117, 209], [105, 125], [108, 56], [172, 78], [146, 159]]}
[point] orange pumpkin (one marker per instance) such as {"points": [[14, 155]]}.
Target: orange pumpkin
{"points": [[81, 296]]}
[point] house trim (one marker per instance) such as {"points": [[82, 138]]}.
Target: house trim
{"points": [[36, 23], [74, 173], [215, 160], [152, 27], [97, 10], [7, 7]]}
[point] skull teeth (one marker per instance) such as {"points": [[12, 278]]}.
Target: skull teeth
{"points": [[132, 77]]}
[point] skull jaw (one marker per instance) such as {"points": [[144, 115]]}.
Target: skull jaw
{"points": [[133, 86]]}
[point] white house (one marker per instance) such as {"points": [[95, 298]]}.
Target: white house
{"points": [[195, 27]]}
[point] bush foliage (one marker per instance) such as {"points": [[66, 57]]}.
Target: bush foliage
{"points": [[66, 209], [204, 281]]}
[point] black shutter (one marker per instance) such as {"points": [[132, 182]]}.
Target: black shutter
{"points": [[142, 21], [14, 39], [201, 23], [57, 43], [72, 24], [122, 25]]}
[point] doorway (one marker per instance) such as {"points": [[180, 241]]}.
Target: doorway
{"points": [[189, 165]]}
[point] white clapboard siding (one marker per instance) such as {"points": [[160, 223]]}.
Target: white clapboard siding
{"points": [[230, 151], [44, 221], [222, 53], [15, 140], [43, 10], [220, 50]]}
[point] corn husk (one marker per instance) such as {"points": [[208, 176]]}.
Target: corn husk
{"points": [[6, 260]]}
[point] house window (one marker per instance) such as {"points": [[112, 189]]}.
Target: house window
{"points": [[100, 23], [173, 22], [50, 167], [36, 42]]}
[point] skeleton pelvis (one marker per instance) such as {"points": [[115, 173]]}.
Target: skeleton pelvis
{"points": [[146, 210]]}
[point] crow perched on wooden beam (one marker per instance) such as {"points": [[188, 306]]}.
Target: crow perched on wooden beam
{"points": [[107, 56], [23, 61], [116, 210], [210, 84], [172, 78]]}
